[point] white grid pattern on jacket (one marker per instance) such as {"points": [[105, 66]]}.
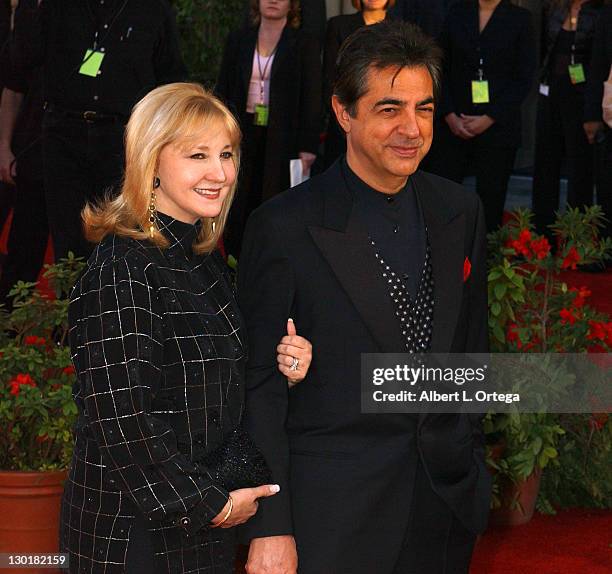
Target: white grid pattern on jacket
{"points": [[156, 340]]}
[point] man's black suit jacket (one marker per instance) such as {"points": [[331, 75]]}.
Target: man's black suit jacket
{"points": [[342, 473]]}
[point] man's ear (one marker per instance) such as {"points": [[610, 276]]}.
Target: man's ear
{"points": [[342, 115]]}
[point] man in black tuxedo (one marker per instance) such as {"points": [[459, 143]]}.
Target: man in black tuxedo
{"points": [[363, 493]]}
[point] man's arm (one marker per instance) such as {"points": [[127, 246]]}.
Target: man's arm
{"points": [[9, 110], [478, 311], [266, 292]]}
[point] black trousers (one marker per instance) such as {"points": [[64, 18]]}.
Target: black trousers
{"points": [[28, 237], [249, 194], [454, 158], [436, 542], [559, 134], [82, 162]]}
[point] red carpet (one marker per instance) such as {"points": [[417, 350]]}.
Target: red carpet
{"points": [[572, 542]]}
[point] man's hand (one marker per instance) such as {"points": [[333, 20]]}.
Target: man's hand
{"points": [[591, 129], [7, 164], [475, 125], [272, 555], [307, 160], [244, 505], [455, 123]]}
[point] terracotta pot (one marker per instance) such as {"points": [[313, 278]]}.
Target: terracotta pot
{"points": [[29, 513], [525, 493]]}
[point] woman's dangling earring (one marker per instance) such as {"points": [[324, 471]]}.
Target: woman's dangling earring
{"points": [[156, 184], [214, 223]]}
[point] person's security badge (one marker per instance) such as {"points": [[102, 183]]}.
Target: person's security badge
{"points": [[480, 92], [576, 73], [262, 113], [92, 62]]}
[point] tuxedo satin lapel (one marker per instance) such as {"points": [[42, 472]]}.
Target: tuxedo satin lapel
{"points": [[352, 260], [446, 229]]}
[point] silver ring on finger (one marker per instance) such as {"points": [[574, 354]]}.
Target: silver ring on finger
{"points": [[295, 364]]}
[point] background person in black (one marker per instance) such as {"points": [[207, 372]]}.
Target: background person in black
{"points": [[482, 135], [85, 114], [21, 163], [595, 128], [429, 15], [570, 26], [339, 28], [6, 191], [292, 92]]}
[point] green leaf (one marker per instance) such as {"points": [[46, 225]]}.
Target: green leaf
{"points": [[500, 290]]}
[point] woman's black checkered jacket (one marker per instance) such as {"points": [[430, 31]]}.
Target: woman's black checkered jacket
{"points": [[157, 343]]}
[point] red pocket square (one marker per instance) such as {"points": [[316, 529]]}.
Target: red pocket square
{"points": [[467, 269]]}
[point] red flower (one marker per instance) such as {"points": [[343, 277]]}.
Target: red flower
{"points": [[34, 340], [581, 296], [512, 335], [69, 370], [598, 420], [571, 259], [540, 247], [19, 381], [597, 331], [567, 316], [467, 269], [533, 343], [521, 245], [597, 349]]}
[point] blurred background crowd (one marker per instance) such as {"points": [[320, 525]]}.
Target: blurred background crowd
{"points": [[526, 94]]}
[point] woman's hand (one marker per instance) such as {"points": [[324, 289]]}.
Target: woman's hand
{"points": [[475, 125], [295, 351], [307, 160], [244, 505], [455, 124]]}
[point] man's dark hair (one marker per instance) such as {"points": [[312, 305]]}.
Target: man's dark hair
{"points": [[383, 45]]}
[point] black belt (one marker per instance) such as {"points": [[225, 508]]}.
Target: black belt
{"points": [[88, 116]]}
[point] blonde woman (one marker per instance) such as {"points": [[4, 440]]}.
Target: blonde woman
{"points": [[158, 344]]}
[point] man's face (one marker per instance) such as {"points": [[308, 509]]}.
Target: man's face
{"points": [[393, 126]]}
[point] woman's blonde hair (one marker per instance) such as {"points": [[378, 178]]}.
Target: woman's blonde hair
{"points": [[293, 18], [171, 114], [359, 6]]}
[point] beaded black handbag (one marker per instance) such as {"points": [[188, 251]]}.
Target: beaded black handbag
{"points": [[237, 462]]}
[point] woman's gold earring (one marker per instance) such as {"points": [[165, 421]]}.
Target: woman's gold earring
{"points": [[156, 184], [214, 223]]}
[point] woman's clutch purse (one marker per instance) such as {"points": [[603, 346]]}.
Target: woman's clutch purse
{"points": [[237, 462]]}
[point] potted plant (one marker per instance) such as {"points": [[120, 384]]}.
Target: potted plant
{"points": [[531, 310], [37, 411]]}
